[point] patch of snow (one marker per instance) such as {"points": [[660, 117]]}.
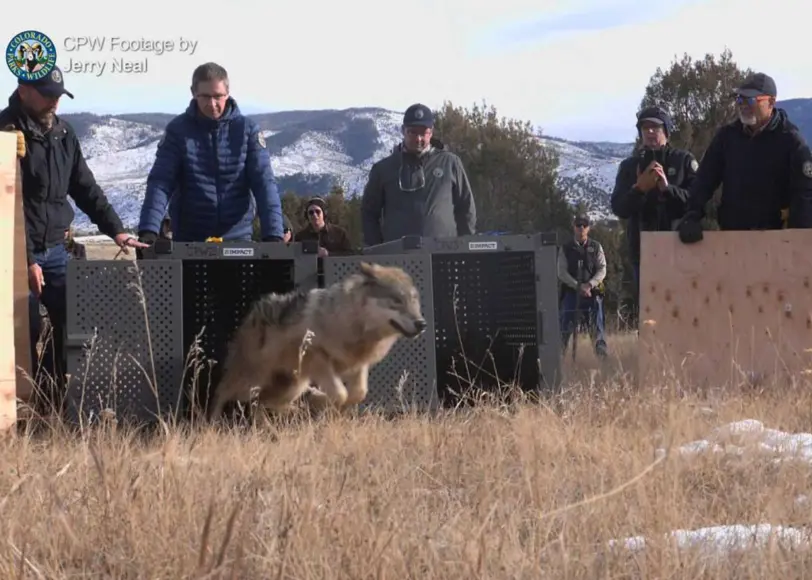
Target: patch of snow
{"points": [[722, 540], [741, 438], [314, 152], [750, 437], [113, 135]]}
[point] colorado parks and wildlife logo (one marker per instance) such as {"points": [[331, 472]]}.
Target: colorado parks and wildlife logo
{"points": [[31, 55]]}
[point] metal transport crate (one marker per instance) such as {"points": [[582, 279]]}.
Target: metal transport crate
{"points": [[495, 309], [193, 292], [406, 378]]}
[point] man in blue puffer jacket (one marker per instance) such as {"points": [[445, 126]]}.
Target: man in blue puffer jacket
{"points": [[209, 161]]}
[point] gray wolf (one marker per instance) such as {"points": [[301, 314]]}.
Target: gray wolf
{"points": [[330, 337]]}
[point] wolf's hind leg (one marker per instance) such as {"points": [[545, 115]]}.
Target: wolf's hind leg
{"points": [[281, 390]]}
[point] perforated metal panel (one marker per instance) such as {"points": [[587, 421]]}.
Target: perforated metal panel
{"points": [[548, 332], [486, 320], [217, 296], [110, 347], [406, 377], [496, 308]]}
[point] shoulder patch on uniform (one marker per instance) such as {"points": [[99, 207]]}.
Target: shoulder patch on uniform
{"points": [[807, 169], [694, 165], [438, 171], [260, 139]]}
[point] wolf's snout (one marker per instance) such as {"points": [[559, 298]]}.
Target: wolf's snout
{"points": [[420, 325]]}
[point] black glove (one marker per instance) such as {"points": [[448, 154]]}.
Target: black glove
{"points": [[272, 239], [147, 237], [690, 229]]}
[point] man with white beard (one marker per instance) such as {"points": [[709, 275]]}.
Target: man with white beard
{"points": [[762, 161]]}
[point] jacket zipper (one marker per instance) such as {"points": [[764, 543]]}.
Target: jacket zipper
{"points": [[49, 151], [216, 178]]}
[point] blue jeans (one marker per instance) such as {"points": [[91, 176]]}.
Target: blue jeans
{"points": [[51, 371], [588, 309]]}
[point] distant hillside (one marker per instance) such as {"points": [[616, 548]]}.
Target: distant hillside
{"points": [[310, 151], [313, 150]]}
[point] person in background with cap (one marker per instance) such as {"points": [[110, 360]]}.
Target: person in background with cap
{"points": [[333, 240], [420, 189], [53, 167], [581, 271], [763, 162], [651, 186]]}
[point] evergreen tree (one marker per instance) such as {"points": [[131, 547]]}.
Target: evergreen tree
{"points": [[513, 175]]}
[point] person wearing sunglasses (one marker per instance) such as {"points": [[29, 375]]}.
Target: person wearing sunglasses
{"points": [[332, 239], [651, 186], [581, 271], [763, 163], [420, 189]]}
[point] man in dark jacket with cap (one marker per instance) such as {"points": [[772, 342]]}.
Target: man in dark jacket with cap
{"points": [[53, 168], [420, 189], [764, 164], [651, 187]]}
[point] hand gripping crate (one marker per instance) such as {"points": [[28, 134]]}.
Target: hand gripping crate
{"points": [[191, 292], [495, 309]]}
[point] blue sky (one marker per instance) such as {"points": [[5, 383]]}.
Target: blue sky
{"points": [[574, 69]]}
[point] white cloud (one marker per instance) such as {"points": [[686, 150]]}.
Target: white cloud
{"points": [[319, 54]]}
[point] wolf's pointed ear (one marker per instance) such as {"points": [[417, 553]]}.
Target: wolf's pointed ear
{"points": [[368, 269]]}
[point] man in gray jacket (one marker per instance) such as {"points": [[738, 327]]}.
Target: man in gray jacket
{"points": [[420, 189]]}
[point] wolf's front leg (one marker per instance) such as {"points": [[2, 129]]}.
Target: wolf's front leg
{"points": [[331, 385], [357, 386]]}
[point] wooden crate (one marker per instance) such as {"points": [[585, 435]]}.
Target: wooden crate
{"points": [[733, 309], [15, 361]]}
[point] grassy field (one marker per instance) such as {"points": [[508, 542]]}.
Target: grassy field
{"points": [[521, 491]]}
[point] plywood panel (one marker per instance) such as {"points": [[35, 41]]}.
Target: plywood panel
{"points": [[9, 193], [22, 328], [735, 308]]}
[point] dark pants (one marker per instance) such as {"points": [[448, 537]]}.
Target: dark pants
{"points": [[49, 376], [587, 309]]}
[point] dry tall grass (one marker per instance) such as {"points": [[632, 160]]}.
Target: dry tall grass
{"points": [[527, 491], [490, 493]]}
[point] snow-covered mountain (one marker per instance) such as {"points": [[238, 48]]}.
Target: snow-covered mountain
{"points": [[311, 150]]}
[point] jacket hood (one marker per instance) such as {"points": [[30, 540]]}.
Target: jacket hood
{"points": [[779, 120], [231, 111], [436, 143]]}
